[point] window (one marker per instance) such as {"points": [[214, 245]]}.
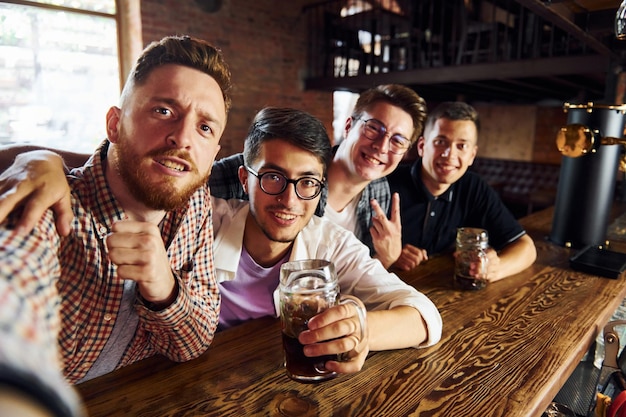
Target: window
{"points": [[59, 72]]}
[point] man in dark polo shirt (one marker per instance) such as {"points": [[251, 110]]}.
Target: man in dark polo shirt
{"points": [[438, 194]]}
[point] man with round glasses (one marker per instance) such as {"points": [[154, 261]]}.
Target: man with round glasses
{"points": [[274, 183], [375, 130], [286, 154], [385, 122]]}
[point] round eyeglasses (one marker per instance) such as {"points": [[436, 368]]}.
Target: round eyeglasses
{"points": [[274, 183], [375, 130]]}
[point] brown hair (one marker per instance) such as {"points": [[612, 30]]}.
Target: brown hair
{"points": [[453, 110], [185, 51], [294, 126]]}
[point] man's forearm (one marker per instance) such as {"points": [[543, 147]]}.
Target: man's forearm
{"points": [[9, 152]]}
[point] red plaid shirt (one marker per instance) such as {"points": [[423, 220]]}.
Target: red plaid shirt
{"points": [[91, 292]]}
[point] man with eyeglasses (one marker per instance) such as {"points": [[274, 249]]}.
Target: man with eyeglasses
{"points": [[438, 195], [286, 154]]}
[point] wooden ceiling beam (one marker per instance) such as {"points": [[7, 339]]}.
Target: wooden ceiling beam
{"points": [[477, 72]]}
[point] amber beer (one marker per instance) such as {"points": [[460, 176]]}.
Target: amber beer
{"points": [[298, 365], [307, 288]]}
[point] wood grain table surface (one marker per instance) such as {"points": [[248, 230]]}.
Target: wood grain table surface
{"points": [[505, 351]]}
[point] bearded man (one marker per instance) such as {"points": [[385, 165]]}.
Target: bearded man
{"points": [[134, 276]]}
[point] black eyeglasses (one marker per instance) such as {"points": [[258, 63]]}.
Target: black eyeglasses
{"points": [[274, 183], [374, 130]]}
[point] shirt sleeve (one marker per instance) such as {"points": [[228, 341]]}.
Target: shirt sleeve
{"points": [[224, 180], [29, 319], [495, 217], [381, 290], [367, 279]]}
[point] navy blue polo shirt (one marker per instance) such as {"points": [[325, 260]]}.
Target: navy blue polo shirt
{"points": [[430, 223]]}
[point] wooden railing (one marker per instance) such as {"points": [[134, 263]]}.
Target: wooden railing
{"points": [[427, 33]]}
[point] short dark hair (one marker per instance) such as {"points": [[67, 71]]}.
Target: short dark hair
{"points": [[294, 126], [396, 95], [453, 110], [185, 51]]}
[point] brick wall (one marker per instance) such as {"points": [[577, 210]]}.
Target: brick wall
{"points": [[264, 42]]}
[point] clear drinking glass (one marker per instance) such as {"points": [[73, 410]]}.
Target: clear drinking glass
{"points": [[470, 272]]}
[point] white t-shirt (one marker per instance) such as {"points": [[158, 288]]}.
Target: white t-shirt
{"points": [[345, 218]]}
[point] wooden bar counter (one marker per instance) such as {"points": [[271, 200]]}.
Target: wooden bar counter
{"points": [[505, 351]]}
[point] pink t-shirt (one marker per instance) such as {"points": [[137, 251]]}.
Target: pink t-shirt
{"points": [[250, 294]]}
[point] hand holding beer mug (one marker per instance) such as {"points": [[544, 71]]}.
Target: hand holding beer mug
{"points": [[307, 288], [471, 261]]}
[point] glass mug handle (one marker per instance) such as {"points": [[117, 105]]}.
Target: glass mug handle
{"points": [[361, 313]]}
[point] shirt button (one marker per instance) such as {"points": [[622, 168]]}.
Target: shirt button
{"points": [[103, 229], [107, 317], [432, 214]]}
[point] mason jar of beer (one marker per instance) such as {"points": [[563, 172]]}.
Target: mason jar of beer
{"points": [[470, 272]]}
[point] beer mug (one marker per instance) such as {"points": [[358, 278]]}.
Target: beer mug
{"points": [[470, 270], [307, 288]]}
